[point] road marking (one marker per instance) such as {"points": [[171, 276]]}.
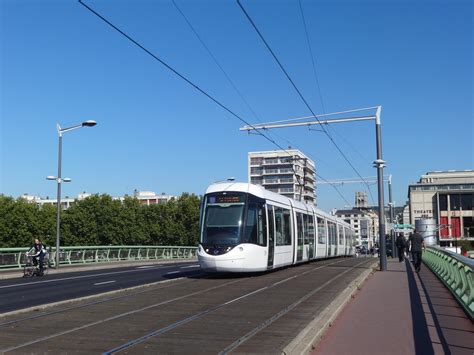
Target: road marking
{"points": [[187, 267], [103, 283], [29, 284], [172, 272], [146, 267]]}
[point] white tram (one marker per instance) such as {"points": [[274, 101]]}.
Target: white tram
{"points": [[245, 228]]}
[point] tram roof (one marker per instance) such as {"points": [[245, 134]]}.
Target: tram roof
{"points": [[261, 192]]}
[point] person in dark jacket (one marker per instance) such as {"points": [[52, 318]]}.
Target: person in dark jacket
{"points": [[417, 247], [400, 244], [37, 251]]}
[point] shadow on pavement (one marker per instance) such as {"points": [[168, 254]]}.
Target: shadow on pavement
{"points": [[421, 334]]}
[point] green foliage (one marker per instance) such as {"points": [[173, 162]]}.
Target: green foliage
{"points": [[101, 220]]}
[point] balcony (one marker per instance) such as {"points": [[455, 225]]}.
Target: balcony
{"points": [[278, 181]]}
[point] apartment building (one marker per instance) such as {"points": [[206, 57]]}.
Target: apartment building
{"points": [[287, 172], [363, 223]]}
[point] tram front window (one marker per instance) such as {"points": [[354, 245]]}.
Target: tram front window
{"points": [[222, 221]]}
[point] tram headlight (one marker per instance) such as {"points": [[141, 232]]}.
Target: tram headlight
{"points": [[241, 248]]}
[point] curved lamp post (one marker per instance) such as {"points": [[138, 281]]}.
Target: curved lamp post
{"points": [[59, 180]]}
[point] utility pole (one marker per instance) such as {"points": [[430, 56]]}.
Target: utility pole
{"points": [[379, 163]]}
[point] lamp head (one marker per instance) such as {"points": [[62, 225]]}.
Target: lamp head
{"points": [[89, 123]]}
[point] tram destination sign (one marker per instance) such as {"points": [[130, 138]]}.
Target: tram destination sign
{"points": [[228, 198]]}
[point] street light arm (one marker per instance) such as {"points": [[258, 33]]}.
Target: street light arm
{"points": [[89, 123], [67, 129]]}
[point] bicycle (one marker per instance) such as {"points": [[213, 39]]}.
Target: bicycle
{"points": [[31, 267]]}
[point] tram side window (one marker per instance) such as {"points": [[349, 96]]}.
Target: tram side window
{"points": [[308, 222], [322, 232], [347, 232], [256, 224], [287, 229], [271, 225], [282, 226], [332, 233], [341, 235], [299, 225]]}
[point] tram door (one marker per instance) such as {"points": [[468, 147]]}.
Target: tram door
{"points": [[309, 234], [300, 237], [271, 237]]}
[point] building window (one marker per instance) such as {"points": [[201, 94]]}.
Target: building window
{"points": [[256, 161], [468, 226], [455, 202], [443, 202], [467, 202]]}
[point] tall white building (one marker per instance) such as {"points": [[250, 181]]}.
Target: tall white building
{"points": [[289, 175]]}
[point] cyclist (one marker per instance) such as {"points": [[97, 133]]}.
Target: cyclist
{"points": [[38, 252]]}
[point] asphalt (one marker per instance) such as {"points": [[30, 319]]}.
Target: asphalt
{"points": [[70, 283]]}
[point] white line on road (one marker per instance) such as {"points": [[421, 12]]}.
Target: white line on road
{"points": [[103, 283], [187, 267], [146, 266], [28, 284], [172, 272]]}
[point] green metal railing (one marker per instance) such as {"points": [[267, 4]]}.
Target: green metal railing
{"points": [[15, 257], [455, 271]]}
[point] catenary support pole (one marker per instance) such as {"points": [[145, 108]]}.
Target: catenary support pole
{"points": [[379, 164]]}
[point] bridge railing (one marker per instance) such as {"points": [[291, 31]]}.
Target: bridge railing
{"points": [[456, 272], [15, 257]]}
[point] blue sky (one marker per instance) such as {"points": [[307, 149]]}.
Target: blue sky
{"points": [[61, 64]]}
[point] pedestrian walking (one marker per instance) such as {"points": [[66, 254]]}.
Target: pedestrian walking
{"points": [[400, 244], [417, 247], [407, 249]]}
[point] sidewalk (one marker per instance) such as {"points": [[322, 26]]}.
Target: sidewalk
{"points": [[400, 312]]}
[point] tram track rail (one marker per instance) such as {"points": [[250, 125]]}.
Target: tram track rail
{"points": [[129, 346]]}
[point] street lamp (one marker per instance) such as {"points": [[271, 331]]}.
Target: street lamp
{"points": [[60, 180]]}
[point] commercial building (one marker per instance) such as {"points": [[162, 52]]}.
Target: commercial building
{"points": [[448, 198], [287, 172]]}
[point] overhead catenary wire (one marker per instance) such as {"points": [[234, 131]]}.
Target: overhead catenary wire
{"points": [[174, 71], [313, 60], [318, 86], [188, 81], [206, 47], [296, 89], [226, 75]]}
